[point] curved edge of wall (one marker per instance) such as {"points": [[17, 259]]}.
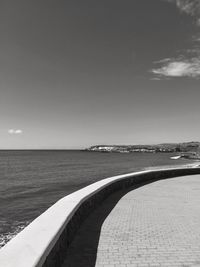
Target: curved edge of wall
{"points": [[44, 241]]}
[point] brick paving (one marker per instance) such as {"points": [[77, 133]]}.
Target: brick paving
{"points": [[157, 224], [154, 225]]}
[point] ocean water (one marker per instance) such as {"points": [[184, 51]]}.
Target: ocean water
{"points": [[31, 181]]}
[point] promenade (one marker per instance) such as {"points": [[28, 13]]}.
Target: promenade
{"points": [[156, 224]]}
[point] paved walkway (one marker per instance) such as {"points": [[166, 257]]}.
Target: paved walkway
{"points": [[157, 224]]}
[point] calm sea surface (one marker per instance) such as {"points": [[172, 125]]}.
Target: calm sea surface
{"points": [[31, 181]]}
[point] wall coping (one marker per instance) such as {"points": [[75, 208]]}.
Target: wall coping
{"points": [[33, 244]]}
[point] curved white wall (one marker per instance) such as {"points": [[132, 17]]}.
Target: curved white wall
{"points": [[39, 243]]}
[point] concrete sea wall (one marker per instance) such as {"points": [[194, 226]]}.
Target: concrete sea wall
{"points": [[44, 242]]}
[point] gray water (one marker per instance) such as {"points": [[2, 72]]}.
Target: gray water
{"points": [[31, 181]]}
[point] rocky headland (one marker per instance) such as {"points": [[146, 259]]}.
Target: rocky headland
{"points": [[187, 149]]}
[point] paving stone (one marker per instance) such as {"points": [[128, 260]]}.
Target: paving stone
{"points": [[155, 225]]}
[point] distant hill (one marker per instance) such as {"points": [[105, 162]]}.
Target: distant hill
{"points": [[166, 147]]}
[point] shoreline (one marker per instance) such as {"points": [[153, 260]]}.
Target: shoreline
{"points": [[36, 173], [55, 228]]}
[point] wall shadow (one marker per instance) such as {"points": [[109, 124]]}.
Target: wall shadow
{"points": [[82, 251]]}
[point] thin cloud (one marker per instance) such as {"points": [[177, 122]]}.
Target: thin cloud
{"points": [[187, 62], [163, 60], [180, 69], [155, 79], [190, 7], [13, 131]]}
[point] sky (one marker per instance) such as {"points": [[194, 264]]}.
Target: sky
{"points": [[79, 73]]}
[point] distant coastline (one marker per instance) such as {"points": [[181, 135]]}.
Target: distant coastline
{"points": [[184, 150]]}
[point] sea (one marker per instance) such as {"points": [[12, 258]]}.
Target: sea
{"points": [[33, 180]]}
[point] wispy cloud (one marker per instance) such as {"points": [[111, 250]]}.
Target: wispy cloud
{"points": [[13, 131], [186, 63], [190, 7], [179, 68]]}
